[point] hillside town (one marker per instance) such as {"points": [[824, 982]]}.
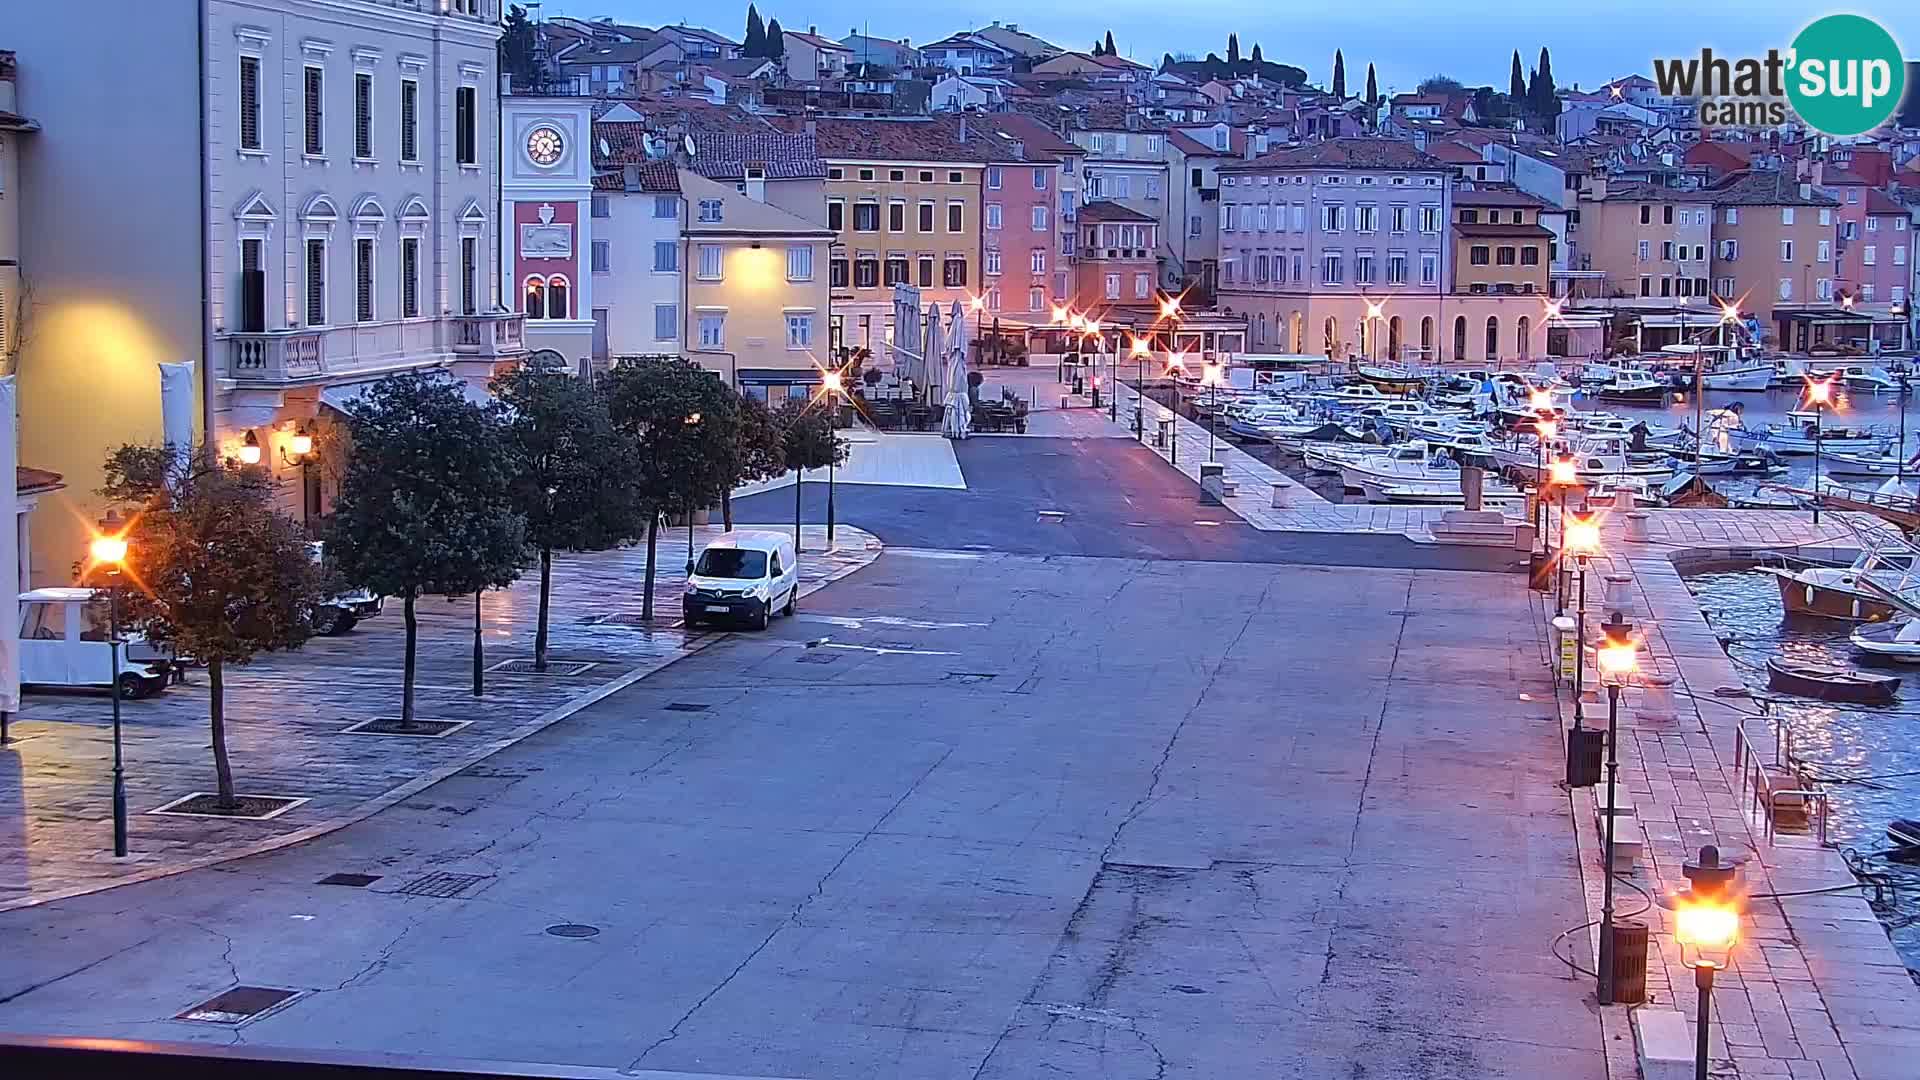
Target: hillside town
{"points": [[547, 545]]}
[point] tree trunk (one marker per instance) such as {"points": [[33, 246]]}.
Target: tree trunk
{"points": [[799, 477], [217, 714], [406, 678], [653, 539], [726, 510], [540, 628]]}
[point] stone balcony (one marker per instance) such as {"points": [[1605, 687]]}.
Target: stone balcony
{"points": [[282, 358]]}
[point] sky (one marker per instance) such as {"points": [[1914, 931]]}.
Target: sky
{"points": [[1471, 40]]}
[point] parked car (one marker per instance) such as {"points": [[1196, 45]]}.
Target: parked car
{"points": [[341, 612], [743, 577], [63, 642]]}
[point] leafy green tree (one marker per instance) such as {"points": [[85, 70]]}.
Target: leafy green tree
{"points": [[1233, 48], [776, 41], [759, 453], [426, 503], [223, 575], [682, 420], [1339, 75], [1439, 84], [755, 43], [1517, 80], [807, 442], [572, 467], [517, 49]]}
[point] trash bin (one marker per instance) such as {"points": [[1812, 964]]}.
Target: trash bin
{"points": [[1584, 746], [1162, 433], [1629, 961]]}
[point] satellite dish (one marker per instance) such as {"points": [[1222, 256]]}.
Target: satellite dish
{"points": [[605, 150], [687, 141]]}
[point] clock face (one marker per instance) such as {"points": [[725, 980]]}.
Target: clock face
{"points": [[544, 145]]}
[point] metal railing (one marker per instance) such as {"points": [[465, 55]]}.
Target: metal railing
{"points": [[1757, 779]]}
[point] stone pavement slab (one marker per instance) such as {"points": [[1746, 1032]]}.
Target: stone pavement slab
{"points": [[286, 714]]}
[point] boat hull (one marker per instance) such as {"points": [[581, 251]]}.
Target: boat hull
{"points": [[1807, 600], [1829, 685], [1637, 395], [1749, 381], [1883, 641]]}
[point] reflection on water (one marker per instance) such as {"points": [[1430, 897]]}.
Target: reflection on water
{"points": [[1849, 741]]}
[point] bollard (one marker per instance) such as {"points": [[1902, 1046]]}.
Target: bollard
{"points": [[1282, 493], [1064, 400], [1637, 526], [1623, 499], [1618, 596], [1656, 698], [1472, 481]]}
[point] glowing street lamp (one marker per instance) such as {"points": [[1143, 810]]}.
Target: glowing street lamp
{"points": [[109, 552], [1211, 377], [1580, 536], [833, 387], [1706, 919], [1176, 367], [1819, 395], [1617, 658], [1540, 401], [1564, 474], [1139, 352], [249, 453], [1169, 307]]}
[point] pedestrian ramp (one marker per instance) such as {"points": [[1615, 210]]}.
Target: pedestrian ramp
{"points": [[884, 458]]}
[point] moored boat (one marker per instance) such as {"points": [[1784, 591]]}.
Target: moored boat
{"points": [[1838, 592], [1830, 683], [1898, 640]]}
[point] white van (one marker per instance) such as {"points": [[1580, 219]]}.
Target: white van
{"points": [[743, 576]]}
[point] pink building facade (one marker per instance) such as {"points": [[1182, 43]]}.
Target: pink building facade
{"points": [[1017, 236]]}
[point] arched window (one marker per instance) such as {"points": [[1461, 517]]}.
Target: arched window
{"points": [[1493, 339], [536, 298], [1393, 338], [1526, 347], [1260, 330], [1459, 339], [557, 297], [1333, 337], [1426, 337]]}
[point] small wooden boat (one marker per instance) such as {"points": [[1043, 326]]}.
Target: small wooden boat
{"points": [[1904, 833], [1631, 386], [1830, 683]]}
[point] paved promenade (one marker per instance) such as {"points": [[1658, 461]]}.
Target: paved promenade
{"points": [[286, 714]]}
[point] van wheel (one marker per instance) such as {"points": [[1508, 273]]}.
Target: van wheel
{"points": [[134, 686], [343, 623], [761, 620], [793, 601]]}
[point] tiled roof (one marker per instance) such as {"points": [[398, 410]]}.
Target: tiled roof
{"points": [[1037, 141], [935, 138], [624, 140], [1103, 210], [28, 480], [1348, 153], [656, 177], [619, 52], [1753, 187], [1497, 197], [725, 156], [1508, 231], [1638, 191], [815, 40], [16, 122], [1879, 202], [1453, 153]]}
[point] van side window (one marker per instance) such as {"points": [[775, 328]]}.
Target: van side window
{"points": [[44, 622], [775, 570]]}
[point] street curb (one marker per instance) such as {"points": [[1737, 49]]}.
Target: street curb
{"points": [[387, 799]]}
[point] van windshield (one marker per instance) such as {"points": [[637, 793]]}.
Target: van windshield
{"points": [[731, 563]]}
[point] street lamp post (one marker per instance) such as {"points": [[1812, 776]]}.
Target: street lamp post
{"points": [[1583, 539], [1617, 659], [1210, 378], [299, 451], [1707, 918], [1139, 350], [1176, 362], [832, 386], [1563, 474], [1819, 393], [1546, 428], [110, 550]]}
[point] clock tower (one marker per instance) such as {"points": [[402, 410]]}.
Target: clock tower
{"points": [[546, 181]]}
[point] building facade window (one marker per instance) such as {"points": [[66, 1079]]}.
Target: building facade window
{"points": [[469, 275], [713, 329], [466, 125], [410, 277], [1039, 221], [249, 103], [363, 306], [409, 120], [926, 217], [668, 206], [362, 115], [897, 216], [1113, 286], [956, 217], [954, 272], [799, 330], [313, 107], [993, 215], [712, 262], [710, 211], [666, 256], [602, 255], [992, 259], [666, 322], [894, 272], [866, 217], [866, 272], [800, 262], [1039, 182], [837, 273], [836, 215], [1429, 267]]}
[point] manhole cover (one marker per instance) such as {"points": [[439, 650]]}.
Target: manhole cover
{"points": [[687, 706], [441, 884], [351, 881], [419, 729], [559, 669], [239, 1005], [573, 930], [967, 676]]}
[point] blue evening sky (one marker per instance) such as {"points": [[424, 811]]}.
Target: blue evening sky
{"points": [[1472, 40]]}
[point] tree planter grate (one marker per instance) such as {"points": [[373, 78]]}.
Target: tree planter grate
{"points": [[419, 729], [687, 706], [441, 884], [558, 669], [239, 1005], [351, 881], [206, 804], [967, 676]]}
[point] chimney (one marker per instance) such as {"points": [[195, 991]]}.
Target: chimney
{"points": [[814, 30], [963, 119], [1019, 150], [630, 177], [812, 126], [1014, 26], [1806, 191], [1248, 151]]}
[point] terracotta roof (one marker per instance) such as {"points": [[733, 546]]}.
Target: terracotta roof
{"points": [[1453, 153], [1103, 210], [935, 138], [726, 156], [1346, 153], [16, 122], [1037, 141], [1640, 191], [1187, 144], [656, 177], [815, 40], [1509, 231], [618, 52], [1497, 197], [28, 481], [1752, 187], [1879, 202]]}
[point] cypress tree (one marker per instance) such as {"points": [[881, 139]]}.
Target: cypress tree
{"points": [[1111, 51], [1373, 89], [1233, 48], [776, 41], [1256, 55], [1543, 96], [756, 42], [1517, 82], [1339, 75]]}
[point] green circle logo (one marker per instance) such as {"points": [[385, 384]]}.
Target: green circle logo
{"points": [[1846, 75]]}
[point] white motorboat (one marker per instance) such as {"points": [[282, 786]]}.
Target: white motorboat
{"points": [[1491, 496], [1247, 418], [1407, 464], [1877, 466], [1606, 458], [1633, 386], [1898, 641], [1350, 396], [1742, 378], [1862, 379], [1837, 592], [1797, 437], [1332, 457]]}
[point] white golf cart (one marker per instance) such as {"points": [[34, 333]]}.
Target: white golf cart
{"points": [[63, 642]]}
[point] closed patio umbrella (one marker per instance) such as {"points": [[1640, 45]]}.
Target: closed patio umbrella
{"points": [[959, 418]]}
